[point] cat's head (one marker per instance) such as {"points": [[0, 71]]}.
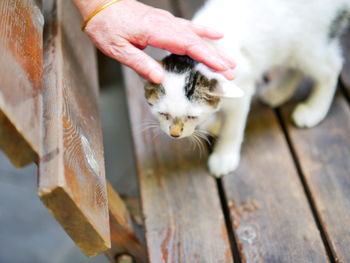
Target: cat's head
{"points": [[189, 95]]}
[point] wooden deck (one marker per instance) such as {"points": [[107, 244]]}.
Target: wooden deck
{"points": [[289, 200]]}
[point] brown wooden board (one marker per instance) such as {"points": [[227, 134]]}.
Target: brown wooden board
{"points": [[72, 174], [271, 217], [21, 63], [324, 156], [183, 218], [122, 237]]}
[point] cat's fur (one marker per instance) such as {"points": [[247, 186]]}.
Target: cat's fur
{"points": [[293, 38]]}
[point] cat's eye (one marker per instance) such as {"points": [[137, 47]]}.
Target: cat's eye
{"points": [[190, 117], [165, 115]]}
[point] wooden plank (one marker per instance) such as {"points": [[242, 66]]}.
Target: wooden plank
{"points": [[122, 237], [345, 75], [271, 217], [72, 174], [183, 218], [266, 230], [21, 27], [324, 153]]}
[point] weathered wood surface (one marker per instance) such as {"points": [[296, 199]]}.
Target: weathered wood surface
{"points": [[324, 156], [183, 218], [271, 217], [21, 63], [72, 176], [122, 237], [345, 75]]}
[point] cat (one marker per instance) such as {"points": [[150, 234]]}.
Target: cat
{"points": [[292, 39]]}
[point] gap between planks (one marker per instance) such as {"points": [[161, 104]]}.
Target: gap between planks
{"points": [[306, 188]]}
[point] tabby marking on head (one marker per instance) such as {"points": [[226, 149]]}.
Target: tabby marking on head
{"points": [[197, 86], [153, 92]]}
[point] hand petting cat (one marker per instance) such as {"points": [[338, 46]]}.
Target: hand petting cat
{"points": [[125, 28]]}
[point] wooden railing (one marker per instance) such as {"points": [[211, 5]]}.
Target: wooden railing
{"points": [[49, 114]]}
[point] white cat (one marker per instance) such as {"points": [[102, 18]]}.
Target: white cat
{"points": [[293, 38]]}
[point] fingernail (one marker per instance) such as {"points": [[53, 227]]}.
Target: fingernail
{"points": [[156, 75]]}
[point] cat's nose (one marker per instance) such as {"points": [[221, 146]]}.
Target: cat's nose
{"points": [[175, 130]]}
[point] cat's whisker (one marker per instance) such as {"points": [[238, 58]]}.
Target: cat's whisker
{"points": [[156, 134], [193, 141], [148, 125], [206, 134], [203, 136], [148, 122], [200, 144]]}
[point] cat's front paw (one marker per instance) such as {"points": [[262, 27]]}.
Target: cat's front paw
{"points": [[221, 163], [305, 116]]}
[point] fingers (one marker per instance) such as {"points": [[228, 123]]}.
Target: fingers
{"points": [[206, 53], [182, 40], [136, 59], [202, 31], [229, 74]]}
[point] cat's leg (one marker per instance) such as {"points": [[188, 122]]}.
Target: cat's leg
{"points": [[325, 73], [226, 154], [281, 87]]}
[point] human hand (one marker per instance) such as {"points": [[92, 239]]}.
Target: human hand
{"points": [[125, 28]]}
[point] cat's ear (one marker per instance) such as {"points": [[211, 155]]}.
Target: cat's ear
{"points": [[226, 89]]}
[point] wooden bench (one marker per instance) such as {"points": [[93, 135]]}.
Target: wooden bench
{"points": [[289, 201]]}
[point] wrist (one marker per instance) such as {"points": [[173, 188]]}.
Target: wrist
{"points": [[87, 7]]}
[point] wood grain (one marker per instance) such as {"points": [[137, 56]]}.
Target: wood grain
{"points": [[324, 156], [271, 217], [183, 217], [72, 176], [21, 69]]}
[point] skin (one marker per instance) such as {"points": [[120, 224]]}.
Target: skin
{"points": [[125, 28]]}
